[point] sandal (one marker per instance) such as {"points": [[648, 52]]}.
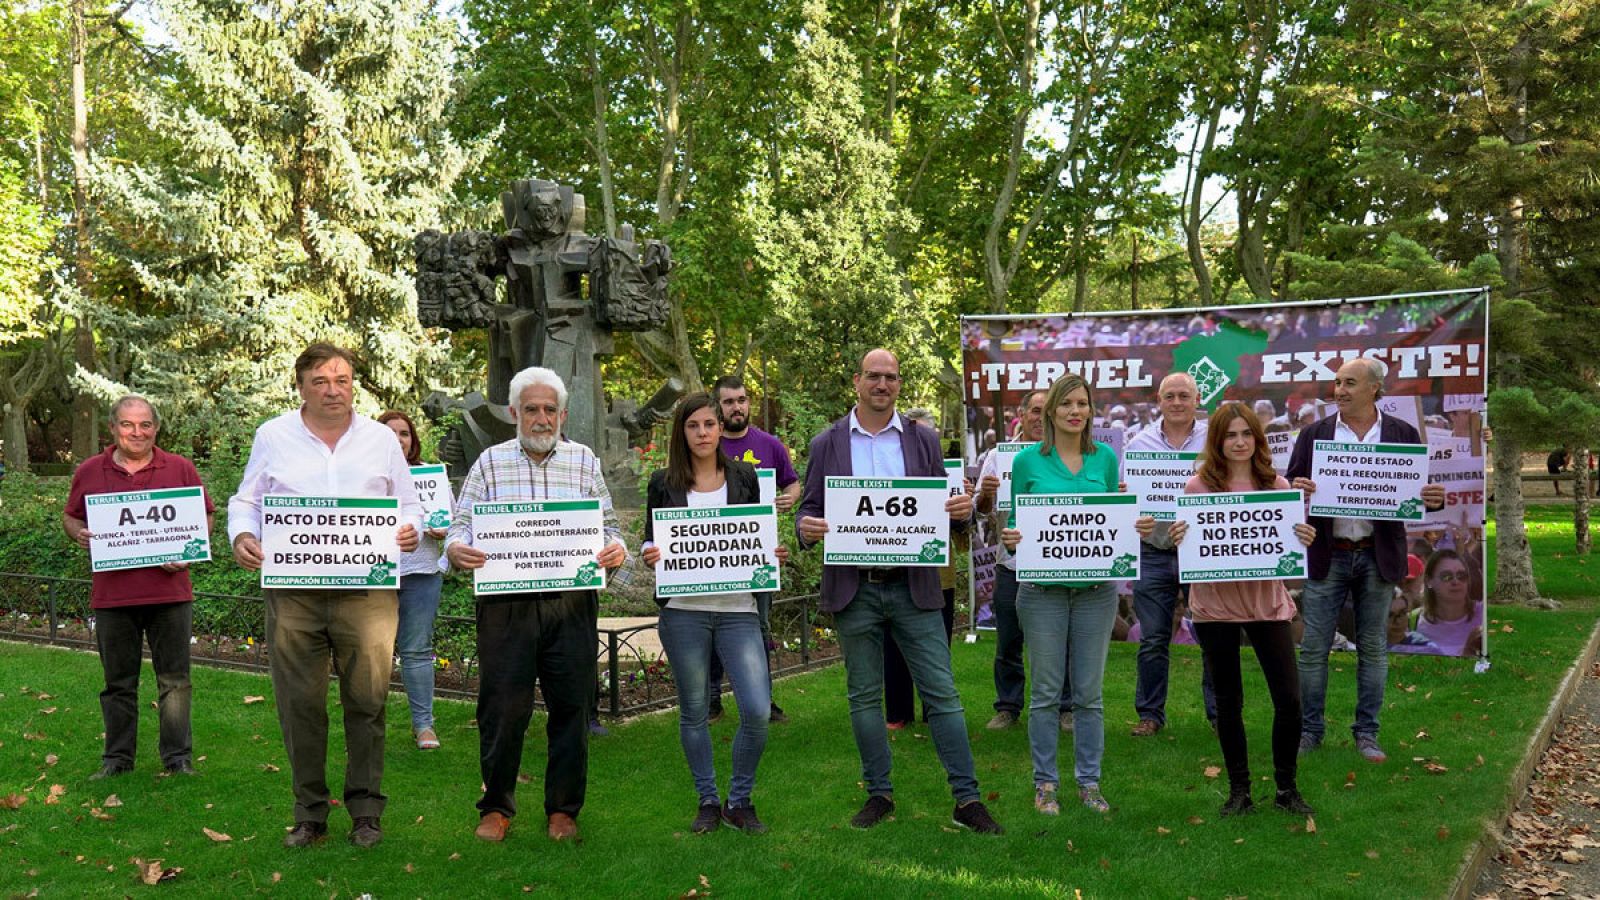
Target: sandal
{"points": [[427, 740]]}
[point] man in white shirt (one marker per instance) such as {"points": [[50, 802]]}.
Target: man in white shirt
{"points": [[325, 449], [1155, 594]]}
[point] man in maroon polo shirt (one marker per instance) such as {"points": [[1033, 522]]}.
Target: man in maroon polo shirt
{"points": [[133, 606]]}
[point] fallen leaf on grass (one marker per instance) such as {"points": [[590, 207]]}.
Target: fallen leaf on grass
{"points": [[1311, 825], [1507, 629], [277, 877], [48, 710], [101, 814], [12, 801], [1571, 856], [1161, 829], [56, 791], [1196, 820], [153, 872], [1443, 833], [1213, 771], [410, 869], [455, 856], [1423, 735], [1371, 853], [51, 759], [1105, 864], [994, 796], [44, 697], [253, 699], [217, 836], [1350, 779], [269, 767], [1435, 768]]}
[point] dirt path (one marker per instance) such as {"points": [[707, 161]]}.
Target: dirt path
{"points": [[1552, 845]]}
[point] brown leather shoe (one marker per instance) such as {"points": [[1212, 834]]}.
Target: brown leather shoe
{"points": [[562, 827], [493, 827], [1146, 728]]}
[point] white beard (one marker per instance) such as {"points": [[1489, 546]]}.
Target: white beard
{"points": [[538, 444]]}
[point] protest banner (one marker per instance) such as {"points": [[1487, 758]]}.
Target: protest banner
{"points": [[955, 476], [326, 543], [433, 492], [1369, 481], [1242, 536], [1277, 358], [139, 529], [716, 550], [1077, 537], [886, 522], [545, 545]]}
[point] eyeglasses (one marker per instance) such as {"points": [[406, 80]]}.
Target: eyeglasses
{"points": [[1450, 576]]}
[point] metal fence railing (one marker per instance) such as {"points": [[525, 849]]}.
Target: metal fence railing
{"points": [[230, 631]]}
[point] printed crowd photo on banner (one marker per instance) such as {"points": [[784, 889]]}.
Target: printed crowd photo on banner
{"points": [[1280, 360]]}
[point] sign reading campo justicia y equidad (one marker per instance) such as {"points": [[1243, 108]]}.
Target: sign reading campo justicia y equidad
{"points": [[716, 550], [886, 522], [1077, 537], [1241, 536], [330, 542], [139, 529], [542, 545]]}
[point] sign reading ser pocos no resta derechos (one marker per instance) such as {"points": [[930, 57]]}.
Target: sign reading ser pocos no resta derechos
{"points": [[716, 550], [1077, 537], [330, 542], [1241, 536], [543, 545], [886, 522], [1369, 481]]}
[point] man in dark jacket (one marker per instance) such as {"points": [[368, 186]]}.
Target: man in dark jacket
{"points": [[875, 441], [1360, 559]]}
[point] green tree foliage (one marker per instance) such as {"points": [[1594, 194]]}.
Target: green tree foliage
{"points": [[308, 146]]}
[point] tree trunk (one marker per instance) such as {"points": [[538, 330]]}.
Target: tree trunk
{"points": [[1133, 274], [1194, 218], [996, 276], [1580, 500], [1513, 582], [17, 390], [602, 143], [84, 406]]}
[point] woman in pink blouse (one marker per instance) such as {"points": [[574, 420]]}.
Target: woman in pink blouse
{"points": [[1236, 458]]}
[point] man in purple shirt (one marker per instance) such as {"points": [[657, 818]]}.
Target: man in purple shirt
{"points": [[747, 443]]}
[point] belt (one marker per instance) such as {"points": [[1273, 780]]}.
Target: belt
{"points": [[1347, 544], [884, 576]]}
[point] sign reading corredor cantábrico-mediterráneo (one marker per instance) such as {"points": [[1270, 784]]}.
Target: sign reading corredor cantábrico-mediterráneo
{"points": [[540, 545], [716, 550], [886, 522], [140, 529], [330, 542]]}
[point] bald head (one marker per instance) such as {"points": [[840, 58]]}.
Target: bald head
{"points": [[1178, 397], [877, 385]]}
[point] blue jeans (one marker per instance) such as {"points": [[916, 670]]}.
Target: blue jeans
{"points": [[920, 636], [1010, 680], [419, 606], [689, 637], [1080, 620], [1155, 596], [1352, 574]]}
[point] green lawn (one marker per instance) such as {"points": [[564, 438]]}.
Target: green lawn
{"points": [[1392, 830]]}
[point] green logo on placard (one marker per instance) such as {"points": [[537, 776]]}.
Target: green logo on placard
{"points": [[932, 550], [439, 518], [762, 577], [1123, 565], [1289, 563], [1410, 509], [380, 572], [588, 573], [194, 549]]}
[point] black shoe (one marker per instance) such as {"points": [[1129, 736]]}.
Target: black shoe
{"points": [[183, 767], [777, 716], [714, 713], [975, 816], [1238, 802], [877, 808], [598, 730], [1291, 801], [744, 819], [304, 834], [110, 770], [707, 820], [366, 832]]}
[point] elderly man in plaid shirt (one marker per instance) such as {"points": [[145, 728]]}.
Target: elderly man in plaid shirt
{"points": [[544, 637]]}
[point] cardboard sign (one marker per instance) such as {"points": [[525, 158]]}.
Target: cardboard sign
{"points": [[716, 550], [767, 486], [1369, 481], [330, 542], [1245, 536], [433, 492], [1005, 455], [956, 476], [1077, 537], [545, 545], [886, 522], [1157, 478], [140, 529], [1281, 443]]}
